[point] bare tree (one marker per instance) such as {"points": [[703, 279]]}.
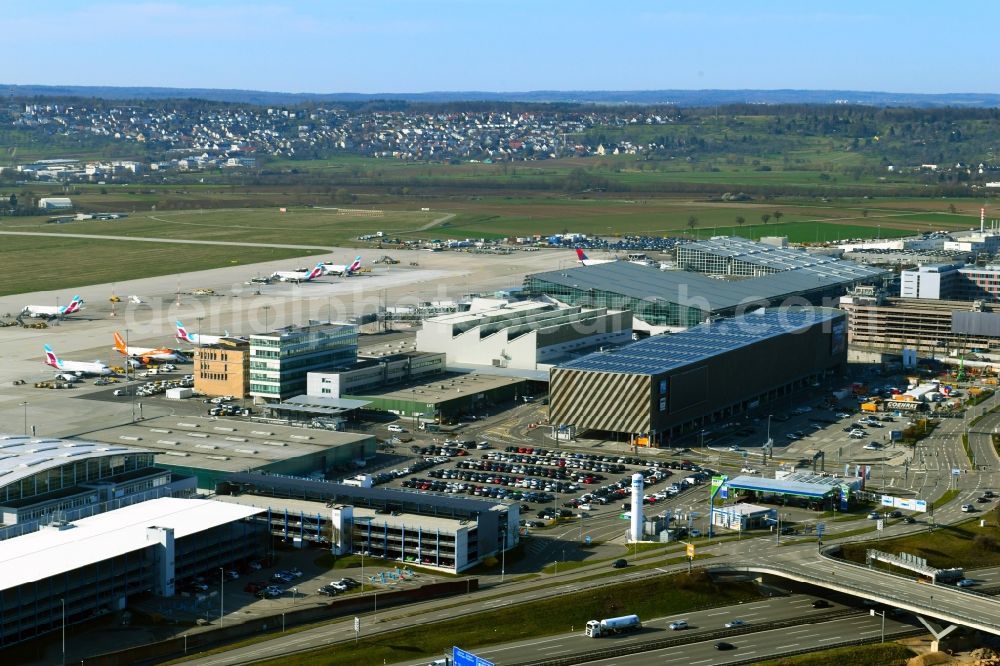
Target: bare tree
{"points": [[692, 222]]}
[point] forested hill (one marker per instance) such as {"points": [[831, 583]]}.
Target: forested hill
{"points": [[686, 98]]}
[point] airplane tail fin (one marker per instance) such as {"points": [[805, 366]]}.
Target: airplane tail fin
{"points": [[580, 254], [182, 333], [356, 265], [316, 271], [74, 305], [120, 344], [50, 357]]}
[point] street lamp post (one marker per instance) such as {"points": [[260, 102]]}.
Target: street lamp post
{"points": [[503, 556], [63, 602], [882, 613], [25, 405], [222, 593]]}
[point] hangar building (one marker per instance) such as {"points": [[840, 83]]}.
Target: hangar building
{"points": [[668, 385]]}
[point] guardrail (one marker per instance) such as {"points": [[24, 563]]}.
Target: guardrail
{"points": [[783, 569], [673, 641]]}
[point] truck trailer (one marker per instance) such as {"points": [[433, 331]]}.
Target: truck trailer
{"points": [[614, 625]]}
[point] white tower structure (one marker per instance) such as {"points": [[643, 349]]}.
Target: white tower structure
{"points": [[635, 532]]}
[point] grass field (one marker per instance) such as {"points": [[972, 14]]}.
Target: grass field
{"points": [[81, 261], [876, 654], [966, 545], [653, 598]]}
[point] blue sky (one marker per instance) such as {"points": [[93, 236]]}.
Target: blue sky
{"points": [[374, 46]]}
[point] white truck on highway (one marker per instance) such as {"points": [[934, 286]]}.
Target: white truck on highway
{"points": [[614, 625]]}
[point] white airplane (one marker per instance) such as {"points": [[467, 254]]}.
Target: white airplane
{"points": [[587, 261], [341, 269], [299, 276], [200, 338], [76, 368], [147, 354], [53, 311]]}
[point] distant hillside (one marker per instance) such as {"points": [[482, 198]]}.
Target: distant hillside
{"points": [[687, 98]]}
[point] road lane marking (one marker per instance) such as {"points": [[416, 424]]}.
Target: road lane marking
{"points": [[826, 640], [787, 647]]}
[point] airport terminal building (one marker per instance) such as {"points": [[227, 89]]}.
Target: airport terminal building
{"points": [[527, 335], [43, 478], [668, 385], [70, 572], [679, 299]]}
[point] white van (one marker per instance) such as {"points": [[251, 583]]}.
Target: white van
{"points": [[396, 428]]}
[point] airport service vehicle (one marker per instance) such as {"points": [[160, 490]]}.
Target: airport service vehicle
{"points": [[345, 270], [53, 311], [299, 276], [77, 368], [147, 354], [614, 625]]}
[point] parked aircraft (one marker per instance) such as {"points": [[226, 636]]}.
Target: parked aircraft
{"points": [[299, 276], [53, 311], [198, 338], [148, 354], [76, 368], [341, 269], [587, 261]]}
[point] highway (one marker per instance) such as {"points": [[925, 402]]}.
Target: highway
{"points": [[799, 561]]}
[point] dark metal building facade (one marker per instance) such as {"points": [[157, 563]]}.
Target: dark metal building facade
{"points": [[668, 385]]}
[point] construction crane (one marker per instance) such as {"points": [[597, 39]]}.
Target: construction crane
{"points": [[961, 369]]}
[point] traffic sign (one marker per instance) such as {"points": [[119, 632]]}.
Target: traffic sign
{"points": [[462, 658], [820, 528], [690, 550], [357, 624], [956, 471]]}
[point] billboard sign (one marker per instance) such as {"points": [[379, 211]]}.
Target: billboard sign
{"points": [[901, 405], [907, 503], [895, 435], [460, 657]]}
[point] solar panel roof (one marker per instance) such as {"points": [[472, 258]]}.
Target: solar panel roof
{"points": [[661, 353]]}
